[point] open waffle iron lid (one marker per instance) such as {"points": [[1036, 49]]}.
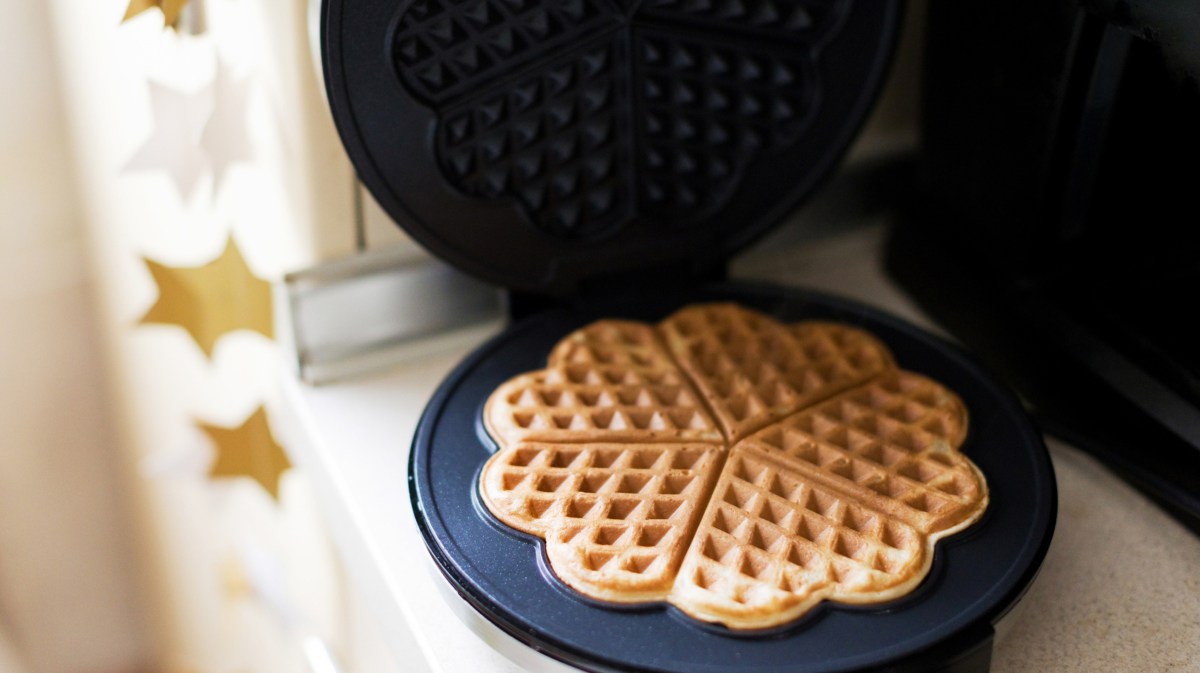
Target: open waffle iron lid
{"points": [[540, 143], [546, 144]]}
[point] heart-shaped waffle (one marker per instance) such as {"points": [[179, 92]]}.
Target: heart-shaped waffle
{"points": [[740, 469]]}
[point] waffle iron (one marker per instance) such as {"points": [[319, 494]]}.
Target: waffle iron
{"points": [[605, 158]]}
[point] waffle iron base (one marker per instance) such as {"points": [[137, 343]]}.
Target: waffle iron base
{"points": [[944, 625]]}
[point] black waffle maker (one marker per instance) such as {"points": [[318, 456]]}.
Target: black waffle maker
{"points": [[605, 158]]}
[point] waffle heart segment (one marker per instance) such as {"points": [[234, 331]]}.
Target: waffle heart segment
{"points": [[891, 442], [616, 518], [843, 501], [753, 371], [737, 468], [774, 542], [609, 381]]}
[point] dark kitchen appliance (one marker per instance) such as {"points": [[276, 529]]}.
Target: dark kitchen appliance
{"points": [[1059, 157], [605, 158]]}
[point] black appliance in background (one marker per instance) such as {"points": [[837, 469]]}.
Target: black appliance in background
{"points": [[1055, 231]]}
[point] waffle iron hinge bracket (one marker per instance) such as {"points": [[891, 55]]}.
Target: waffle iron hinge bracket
{"points": [[361, 314]]}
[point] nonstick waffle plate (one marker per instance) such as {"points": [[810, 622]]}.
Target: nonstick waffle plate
{"points": [[977, 575]]}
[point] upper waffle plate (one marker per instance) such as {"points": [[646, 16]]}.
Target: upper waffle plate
{"points": [[541, 142]]}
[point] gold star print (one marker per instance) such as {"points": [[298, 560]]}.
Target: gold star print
{"points": [[249, 450], [170, 9], [211, 300]]}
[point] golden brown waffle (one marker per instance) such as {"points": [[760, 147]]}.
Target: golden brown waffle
{"points": [[837, 476], [752, 370], [774, 542], [609, 381], [616, 518], [891, 443], [843, 501]]}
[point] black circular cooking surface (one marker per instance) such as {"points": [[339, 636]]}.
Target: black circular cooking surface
{"points": [[538, 143], [977, 575]]}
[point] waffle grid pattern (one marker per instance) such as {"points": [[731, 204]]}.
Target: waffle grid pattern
{"points": [[705, 108], [850, 477], [754, 371], [608, 381], [891, 440], [774, 540], [551, 139], [674, 121], [447, 47], [611, 513]]}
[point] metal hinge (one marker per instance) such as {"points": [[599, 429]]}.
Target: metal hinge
{"points": [[358, 315]]}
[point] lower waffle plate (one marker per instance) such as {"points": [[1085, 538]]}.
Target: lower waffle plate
{"points": [[976, 577]]}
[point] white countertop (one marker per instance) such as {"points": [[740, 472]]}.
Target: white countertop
{"points": [[1119, 589]]}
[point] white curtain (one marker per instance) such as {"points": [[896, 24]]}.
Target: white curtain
{"points": [[9, 661], [68, 596]]}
